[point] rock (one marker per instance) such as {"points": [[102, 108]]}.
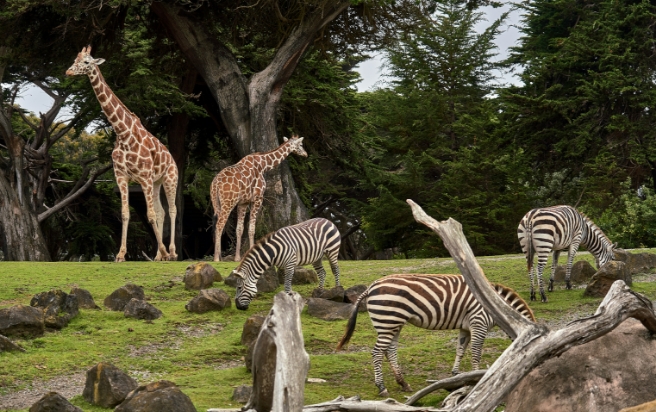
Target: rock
{"points": [[335, 294], [58, 307], [352, 294], [582, 271], [107, 385], [209, 299], [7, 345], [302, 276], [140, 309], [242, 393], [22, 321], [54, 402], [84, 299], [606, 374], [645, 407], [251, 329], [604, 278], [121, 296], [636, 263], [268, 281], [201, 276], [621, 255], [158, 396], [328, 310], [231, 280]]}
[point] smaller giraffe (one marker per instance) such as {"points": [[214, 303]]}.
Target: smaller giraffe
{"points": [[243, 184], [138, 156]]}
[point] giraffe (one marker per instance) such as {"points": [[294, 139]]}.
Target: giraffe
{"points": [[242, 184], [138, 156]]}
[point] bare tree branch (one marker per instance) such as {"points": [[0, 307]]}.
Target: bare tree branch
{"points": [[450, 383]]}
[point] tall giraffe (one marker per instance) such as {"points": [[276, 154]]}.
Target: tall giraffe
{"points": [[242, 184], [138, 156]]}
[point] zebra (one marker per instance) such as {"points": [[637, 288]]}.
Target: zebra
{"points": [[288, 247], [434, 302], [553, 229]]}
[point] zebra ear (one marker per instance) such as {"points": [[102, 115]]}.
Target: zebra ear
{"points": [[238, 274], [615, 245]]}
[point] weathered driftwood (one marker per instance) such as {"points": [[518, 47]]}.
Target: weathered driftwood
{"points": [[355, 404], [450, 383], [280, 362], [533, 344]]}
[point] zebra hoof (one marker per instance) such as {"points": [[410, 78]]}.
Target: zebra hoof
{"points": [[544, 299], [533, 297], [568, 286], [384, 393]]}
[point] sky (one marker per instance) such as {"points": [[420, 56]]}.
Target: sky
{"points": [[371, 70]]}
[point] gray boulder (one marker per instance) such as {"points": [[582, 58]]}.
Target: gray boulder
{"points": [[335, 294], [121, 296], [268, 281], [636, 263], [58, 307], [22, 321], [158, 396], [140, 309], [201, 275], [7, 345], [54, 402], [242, 393], [107, 385], [328, 310], [607, 374], [604, 278], [582, 272], [209, 300], [84, 299], [302, 276], [352, 294], [251, 329], [231, 280]]}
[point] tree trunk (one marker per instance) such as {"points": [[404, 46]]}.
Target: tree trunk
{"points": [[20, 232]]}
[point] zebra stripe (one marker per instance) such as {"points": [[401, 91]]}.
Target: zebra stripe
{"points": [[434, 302], [291, 246], [556, 228]]}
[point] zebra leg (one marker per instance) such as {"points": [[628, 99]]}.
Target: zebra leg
{"points": [[554, 264], [478, 334], [289, 274], [463, 341], [392, 357], [573, 247], [377, 357], [542, 262], [334, 267], [321, 272]]}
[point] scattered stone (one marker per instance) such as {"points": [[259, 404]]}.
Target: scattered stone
{"points": [[302, 276], [156, 397], [201, 276], [604, 278], [644, 407], [54, 402], [58, 307], [352, 294], [335, 294], [607, 374], [328, 310], [107, 385], [7, 345], [636, 263], [251, 329], [268, 281], [140, 309], [208, 300], [242, 393], [84, 299], [22, 321], [316, 380], [582, 271], [121, 296], [231, 280]]}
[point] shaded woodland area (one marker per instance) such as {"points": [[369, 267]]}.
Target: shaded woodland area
{"points": [[216, 81]]}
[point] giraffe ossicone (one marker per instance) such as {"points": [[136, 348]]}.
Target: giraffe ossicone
{"points": [[138, 156], [243, 184]]}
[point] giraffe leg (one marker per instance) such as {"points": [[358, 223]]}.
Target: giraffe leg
{"points": [[122, 182], [463, 341], [241, 214], [554, 265], [159, 215], [170, 189], [152, 217], [255, 209], [221, 219]]}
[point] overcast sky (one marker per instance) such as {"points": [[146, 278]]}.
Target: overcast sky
{"points": [[371, 70]]}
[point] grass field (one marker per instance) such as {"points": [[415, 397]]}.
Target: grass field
{"points": [[202, 354]]}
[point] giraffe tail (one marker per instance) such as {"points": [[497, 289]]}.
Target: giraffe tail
{"points": [[350, 326]]}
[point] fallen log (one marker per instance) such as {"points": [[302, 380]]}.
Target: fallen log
{"points": [[450, 383]]}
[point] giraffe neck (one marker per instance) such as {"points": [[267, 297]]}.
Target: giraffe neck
{"points": [[119, 116], [269, 160]]}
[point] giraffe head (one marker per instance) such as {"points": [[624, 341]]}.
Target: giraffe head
{"points": [[296, 145], [84, 63]]}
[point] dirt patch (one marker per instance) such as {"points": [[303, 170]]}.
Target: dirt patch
{"points": [[67, 386]]}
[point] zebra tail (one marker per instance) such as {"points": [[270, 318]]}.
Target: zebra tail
{"points": [[529, 247], [350, 326]]}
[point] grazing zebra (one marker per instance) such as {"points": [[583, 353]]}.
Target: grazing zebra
{"points": [[287, 248], [435, 302], [557, 228]]}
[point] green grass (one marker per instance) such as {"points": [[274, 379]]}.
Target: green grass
{"points": [[202, 353]]}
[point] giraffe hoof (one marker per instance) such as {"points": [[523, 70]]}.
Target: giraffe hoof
{"points": [[384, 393], [406, 388], [119, 260]]}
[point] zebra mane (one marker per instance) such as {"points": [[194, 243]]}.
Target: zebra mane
{"points": [[514, 300], [257, 244], [593, 226]]}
